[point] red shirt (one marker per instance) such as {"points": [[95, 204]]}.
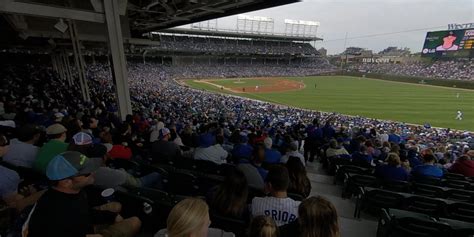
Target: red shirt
{"points": [[464, 167], [120, 152]]}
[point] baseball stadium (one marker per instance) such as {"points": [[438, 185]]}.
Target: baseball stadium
{"points": [[147, 118]]}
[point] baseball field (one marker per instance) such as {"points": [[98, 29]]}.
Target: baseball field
{"points": [[372, 98]]}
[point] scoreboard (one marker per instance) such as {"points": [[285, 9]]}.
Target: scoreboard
{"points": [[450, 43]]}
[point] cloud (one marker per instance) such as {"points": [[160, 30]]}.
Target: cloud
{"points": [[369, 17]]}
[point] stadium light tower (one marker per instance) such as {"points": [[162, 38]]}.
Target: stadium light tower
{"points": [[210, 25], [301, 28], [255, 24]]}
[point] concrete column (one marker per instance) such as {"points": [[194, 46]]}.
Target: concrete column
{"points": [[118, 61]]}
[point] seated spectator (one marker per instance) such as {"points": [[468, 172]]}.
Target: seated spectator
{"points": [[155, 131], [413, 157], [335, 149], [210, 151], [463, 165], [83, 143], [63, 210], [263, 226], [164, 149], [392, 170], [317, 217], [292, 150], [9, 182], [272, 156], [242, 150], [428, 168], [253, 170], [190, 217], [278, 205], [299, 182], [22, 151], [361, 157], [56, 145], [115, 151], [230, 199]]}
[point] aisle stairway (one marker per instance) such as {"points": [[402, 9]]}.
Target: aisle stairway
{"points": [[322, 184]]}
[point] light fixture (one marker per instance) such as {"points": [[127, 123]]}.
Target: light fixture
{"points": [[61, 26]]}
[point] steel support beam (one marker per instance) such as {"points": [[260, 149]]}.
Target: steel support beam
{"points": [[118, 61], [31, 9], [79, 61]]}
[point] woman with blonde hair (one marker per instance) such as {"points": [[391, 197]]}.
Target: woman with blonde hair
{"points": [[190, 218], [263, 226], [317, 218]]}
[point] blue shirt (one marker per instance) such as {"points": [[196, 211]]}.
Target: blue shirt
{"points": [[272, 156], [394, 138], [390, 172], [329, 132], [242, 151], [361, 159], [9, 181], [427, 170]]}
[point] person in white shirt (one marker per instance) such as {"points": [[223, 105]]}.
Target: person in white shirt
{"points": [[278, 206], [292, 150], [207, 150]]}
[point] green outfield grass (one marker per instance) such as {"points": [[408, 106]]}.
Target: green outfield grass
{"points": [[411, 103]]}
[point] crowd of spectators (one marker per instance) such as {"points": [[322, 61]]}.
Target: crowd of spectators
{"points": [[233, 46], [452, 69], [49, 130]]}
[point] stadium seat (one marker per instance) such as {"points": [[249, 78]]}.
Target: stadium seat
{"points": [[461, 211], [460, 195], [428, 190], [454, 176], [374, 200], [182, 184], [459, 228], [236, 226], [397, 186], [206, 182], [418, 226], [429, 206], [427, 180], [341, 170], [384, 226], [335, 161], [353, 182], [206, 167], [459, 184], [155, 195], [225, 168]]}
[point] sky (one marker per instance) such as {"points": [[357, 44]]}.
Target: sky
{"points": [[368, 17]]}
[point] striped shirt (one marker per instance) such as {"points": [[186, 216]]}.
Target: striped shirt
{"points": [[282, 210]]}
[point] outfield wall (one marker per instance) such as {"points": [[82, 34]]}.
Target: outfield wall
{"points": [[413, 79]]}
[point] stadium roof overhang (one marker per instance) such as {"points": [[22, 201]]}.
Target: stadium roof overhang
{"points": [[37, 18], [235, 34]]}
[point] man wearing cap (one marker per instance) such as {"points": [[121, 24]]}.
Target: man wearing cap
{"points": [[164, 149], [272, 156], [210, 151], [22, 151], [57, 135], [64, 210]]}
